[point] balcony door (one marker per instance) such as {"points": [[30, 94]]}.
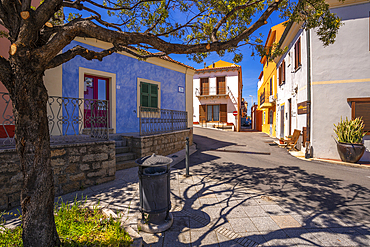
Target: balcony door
{"points": [[96, 97], [221, 85], [204, 86]]}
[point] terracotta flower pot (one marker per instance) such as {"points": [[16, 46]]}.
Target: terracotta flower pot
{"points": [[349, 152]]}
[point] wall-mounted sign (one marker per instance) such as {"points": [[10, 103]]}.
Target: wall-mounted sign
{"points": [[302, 108], [181, 89]]}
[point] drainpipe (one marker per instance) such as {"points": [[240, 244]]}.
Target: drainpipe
{"points": [[308, 146]]}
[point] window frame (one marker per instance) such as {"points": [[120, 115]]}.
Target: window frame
{"points": [[282, 73], [353, 102], [297, 55], [138, 99]]}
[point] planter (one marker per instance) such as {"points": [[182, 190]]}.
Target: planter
{"points": [[350, 152]]}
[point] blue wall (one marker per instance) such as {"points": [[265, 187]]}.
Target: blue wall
{"points": [[127, 71]]}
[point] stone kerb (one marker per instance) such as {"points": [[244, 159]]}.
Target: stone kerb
{"points": [[75, 167], [162, 144]]}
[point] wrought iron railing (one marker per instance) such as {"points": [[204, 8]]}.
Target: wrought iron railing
{"points": [[70, 119], [212, 91], [156, 121]]}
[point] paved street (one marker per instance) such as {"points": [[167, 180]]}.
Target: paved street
{"points": [[244, 191]]}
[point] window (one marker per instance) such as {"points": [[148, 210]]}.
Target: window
{"points": [[148, 95], [213, 112], [361, 108], [204, 86], [271, 117], [282, 73], [297, 54], [221, 85], [270, 86]]}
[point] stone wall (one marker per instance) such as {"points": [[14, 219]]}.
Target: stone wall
{"points": [[162, 144], [75, 166]]}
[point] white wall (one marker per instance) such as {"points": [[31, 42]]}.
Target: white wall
{"points": [[294, 88], [339, 71], [231, 78]]}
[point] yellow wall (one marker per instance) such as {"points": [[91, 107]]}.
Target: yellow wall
{"points": [[269, 71], [221, 64]]}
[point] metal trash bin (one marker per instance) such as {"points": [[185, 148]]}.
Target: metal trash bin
{"points": [[154, 187]]}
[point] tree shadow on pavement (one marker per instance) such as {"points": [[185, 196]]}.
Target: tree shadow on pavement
{"points": [[328, 211]]}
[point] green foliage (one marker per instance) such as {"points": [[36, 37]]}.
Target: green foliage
{"points": [[350, 131], [3, 34], [77, 226]]}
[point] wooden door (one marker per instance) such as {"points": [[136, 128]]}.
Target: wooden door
{"points": [[221, 85], [223, 113], [202, 113], [204, 86]]}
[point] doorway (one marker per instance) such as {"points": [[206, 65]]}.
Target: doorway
{"points": [[282, 115], [96, 101]]}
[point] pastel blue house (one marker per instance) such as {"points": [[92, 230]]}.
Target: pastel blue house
{"points": [[126, 83]]}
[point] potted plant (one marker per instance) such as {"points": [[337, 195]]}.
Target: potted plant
{"points": [[349, 139]]}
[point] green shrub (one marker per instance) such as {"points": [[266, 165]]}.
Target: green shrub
{"points": [[77, 226], [350, 131]]}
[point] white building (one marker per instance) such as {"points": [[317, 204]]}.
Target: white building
{"points": [[292, 100], [334, 84], [217, 95]]}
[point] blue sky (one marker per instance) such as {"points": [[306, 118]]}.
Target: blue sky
{"points": [[251, 66]]}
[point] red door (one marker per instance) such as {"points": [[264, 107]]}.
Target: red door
{"points": [[96, 95]]}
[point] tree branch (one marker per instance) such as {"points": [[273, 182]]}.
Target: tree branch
{"points": [[90, 55], [79, 50], [46, 11], [121, 8], [228, 15], [158, 20], [86, 28], [6, 74]]}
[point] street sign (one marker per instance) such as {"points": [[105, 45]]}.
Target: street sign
{"points": [[235, 113]]}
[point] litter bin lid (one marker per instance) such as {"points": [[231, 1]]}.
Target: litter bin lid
{"points": [[154, 160]]}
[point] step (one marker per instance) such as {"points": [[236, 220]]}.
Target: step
{"points": [[125, 157], [121, 150], [121, 143], [125, 164]]}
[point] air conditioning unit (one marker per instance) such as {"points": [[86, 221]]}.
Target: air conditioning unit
{"points": [[271, 99]]}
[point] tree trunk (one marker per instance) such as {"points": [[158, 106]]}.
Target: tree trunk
{"points": [[33, 146]]}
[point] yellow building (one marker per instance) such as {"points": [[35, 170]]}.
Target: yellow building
{"points": [[267, 85]]}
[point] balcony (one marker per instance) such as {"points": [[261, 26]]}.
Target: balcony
{"points": [[266, 100], [212, 93]]}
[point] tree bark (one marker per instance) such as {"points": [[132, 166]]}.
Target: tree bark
{"points": [[33, 146]]}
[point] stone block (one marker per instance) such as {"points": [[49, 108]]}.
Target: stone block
{"points": [[82, 150], [13, 167], [96, 165], [58, 162], [57, 152], [112, 171], [72, 168], [95, 157], [14, 199], [70, 187], [104, 180], [74, 159], [88, 182], [77, 177], [100, 173], [108, 164], [57, 170], [84, 167]]}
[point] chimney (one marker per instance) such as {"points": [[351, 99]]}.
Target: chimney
{"points": [[213, 64], [205, 65]]}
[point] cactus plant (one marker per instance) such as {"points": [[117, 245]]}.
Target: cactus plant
{"points": [[350, 131]]}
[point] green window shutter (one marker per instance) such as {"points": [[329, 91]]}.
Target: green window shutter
{"points": [[154, 96], [148, 95], [144, 94]]}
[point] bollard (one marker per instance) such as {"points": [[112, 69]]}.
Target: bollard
{"points": [[187, 157]]}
